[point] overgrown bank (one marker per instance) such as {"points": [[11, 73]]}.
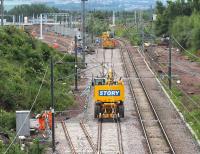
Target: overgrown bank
{"points": [[181, 20], [24, 61]]}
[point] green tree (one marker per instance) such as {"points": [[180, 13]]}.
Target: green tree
{"points": [[22, 67], [30, 10], [98, 22], [186, 29], [181, 28], [167, 15]]}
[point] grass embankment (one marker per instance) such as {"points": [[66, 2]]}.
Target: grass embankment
{"points": [[187, 105], [134, 33], [129, 33], [184, 27], [182, 24], [23, 62]]}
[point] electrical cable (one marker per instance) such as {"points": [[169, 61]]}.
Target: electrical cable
{"points": [[176, 86], [175, 95], [29, 110], [163, 47], [198, 121], [171, 91], [184, 48], [176, 63], [81, 71], [191, 115], [186, 71], [62, 57]]}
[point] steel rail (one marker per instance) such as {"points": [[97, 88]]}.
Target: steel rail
{"points": [[136, 104], [149, 100], [68, 138], [119, 135], [88, 137], [99, 138]]}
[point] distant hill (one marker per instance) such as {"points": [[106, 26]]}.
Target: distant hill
{"points": [[108, 4], [91, 4]]}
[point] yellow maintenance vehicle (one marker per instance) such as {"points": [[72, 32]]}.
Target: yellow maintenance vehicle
{"points": [[107, 41], [109, 97]]}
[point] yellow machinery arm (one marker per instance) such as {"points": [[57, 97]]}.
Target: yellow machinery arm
{"points": [[109, 97]]}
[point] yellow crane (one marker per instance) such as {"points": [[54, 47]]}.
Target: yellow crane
{"points": [[109, 97], [107, 42]]}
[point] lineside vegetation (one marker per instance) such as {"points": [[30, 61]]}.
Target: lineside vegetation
{"points": [[23, 62], [33, 9], [182, 20]]}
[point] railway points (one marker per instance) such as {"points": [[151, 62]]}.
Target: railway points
{"points": [[121, 101], [141, 118]]}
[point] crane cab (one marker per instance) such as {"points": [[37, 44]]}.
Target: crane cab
{"points": [[109, 97]]}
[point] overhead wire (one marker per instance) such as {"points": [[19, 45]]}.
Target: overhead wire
{"points": [[46, 70], [184, 48], [66, 53], [171, 91], [81, 71], [32, 105], [196, 104], [185, 93], [35, 100], [186, 71], [26, 118], [178, 64], [190, 114]]}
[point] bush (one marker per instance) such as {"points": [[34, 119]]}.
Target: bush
{"points": [[186, 30], [129, 33], [15, 149], [7, 120], [36, 148], [23, 64]]}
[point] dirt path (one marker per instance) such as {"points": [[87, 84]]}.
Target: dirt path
{"points": [[65, 44], [188, 72]]}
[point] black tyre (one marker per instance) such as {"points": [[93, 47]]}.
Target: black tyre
{"points": [[121, 111], [121, 103], [97, 110]]}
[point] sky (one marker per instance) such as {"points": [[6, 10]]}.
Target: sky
{"points": [[124, 3]]}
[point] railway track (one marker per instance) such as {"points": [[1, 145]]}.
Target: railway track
{"points": [[154, 132], [88, 137], [69, 139], [99, 137], [119, 136]]}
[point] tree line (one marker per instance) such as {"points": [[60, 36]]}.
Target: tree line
{"points": [[181, 19], [29, 10]]}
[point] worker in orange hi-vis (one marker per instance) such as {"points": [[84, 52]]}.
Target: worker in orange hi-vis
{"points": [[50, 119], [44, 120], [41, 123]]}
